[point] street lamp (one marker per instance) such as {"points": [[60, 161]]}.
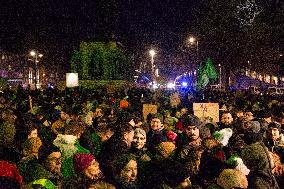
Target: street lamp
{"points": [[36, 55], [152, 54], [192, 41]]}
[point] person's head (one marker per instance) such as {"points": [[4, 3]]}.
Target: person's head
{"points": [[156, 122], [226, 118], [126, 132], [232, 178], [75, 128], [139, 139], [53, 162], [88, 119], [33, 133], [98, 112], [183, 111], [64, 116], [104, 131], [86, 165], [239, 114], [248, 115], [192, 127], [31, 130], [8, 115], [125, 168], [31, 146], [274, 130]]}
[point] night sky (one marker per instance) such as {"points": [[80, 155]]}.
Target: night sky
{"points": [[57, 27]]}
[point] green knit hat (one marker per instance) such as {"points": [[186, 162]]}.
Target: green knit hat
{"points": [[44, 182]]}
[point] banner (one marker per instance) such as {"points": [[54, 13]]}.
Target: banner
{"points": [[208, 112]]}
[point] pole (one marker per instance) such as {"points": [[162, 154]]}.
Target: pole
{"points": [[35, 59], [220, 75], [153, 68]]}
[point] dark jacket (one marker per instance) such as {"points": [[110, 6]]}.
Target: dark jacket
{"points": [[256, 158], [91, 141], [154, 138]]}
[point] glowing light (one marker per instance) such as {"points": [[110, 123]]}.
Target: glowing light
{"points": [[32, 53], [152, 52], [184, 84], [72, 80], [170, 85], [191, 39], [155, 86]]}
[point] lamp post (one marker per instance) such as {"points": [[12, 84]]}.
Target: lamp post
{"points": [[220, 75], [193, 40], [36, 55], [152, 54]]}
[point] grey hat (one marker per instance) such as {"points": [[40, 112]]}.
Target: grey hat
{"points": [[139, 131]]}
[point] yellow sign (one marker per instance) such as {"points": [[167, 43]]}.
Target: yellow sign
{"points": [[149, 109], [207, 111]]}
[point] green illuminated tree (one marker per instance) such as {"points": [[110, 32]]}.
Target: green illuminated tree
{"points": [[101, 61]]}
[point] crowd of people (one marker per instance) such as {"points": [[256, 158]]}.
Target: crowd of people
{"points": [[89, 139]]}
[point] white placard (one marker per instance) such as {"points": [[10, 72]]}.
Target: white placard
{"points": [[207, 111], [72, 80]]}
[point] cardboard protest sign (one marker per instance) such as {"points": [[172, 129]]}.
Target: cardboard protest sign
{"points": [[207, 111], [149, 108]]}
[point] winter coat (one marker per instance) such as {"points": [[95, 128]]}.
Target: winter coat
{"points": [[154, 138], [91, 141], [256, 158]]}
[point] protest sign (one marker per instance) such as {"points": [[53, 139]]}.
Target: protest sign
{"points": [[207, 111]]}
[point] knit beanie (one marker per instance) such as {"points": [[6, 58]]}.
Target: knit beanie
{"points": [[32, 145], [139, 131], [44, 183], [223, 135], [82, 161], [232, 178], [9, 170], [274, 125], [236, 162]]}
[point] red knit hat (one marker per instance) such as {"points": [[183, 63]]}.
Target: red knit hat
{"points": [[82, 161], [9, 170]]}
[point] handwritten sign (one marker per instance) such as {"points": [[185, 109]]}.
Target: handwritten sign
{"points": [[149, 108], [207, 111]]}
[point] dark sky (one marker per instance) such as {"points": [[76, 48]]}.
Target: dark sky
{"points": [[56, 27]]}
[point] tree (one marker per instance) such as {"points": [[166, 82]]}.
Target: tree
{"points": [[206, 74], [101, 61], [210, 70], [235, 32]]}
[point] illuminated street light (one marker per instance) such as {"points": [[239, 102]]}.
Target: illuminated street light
{"points": [[36, 55], [152, 54], [191, 39]]}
